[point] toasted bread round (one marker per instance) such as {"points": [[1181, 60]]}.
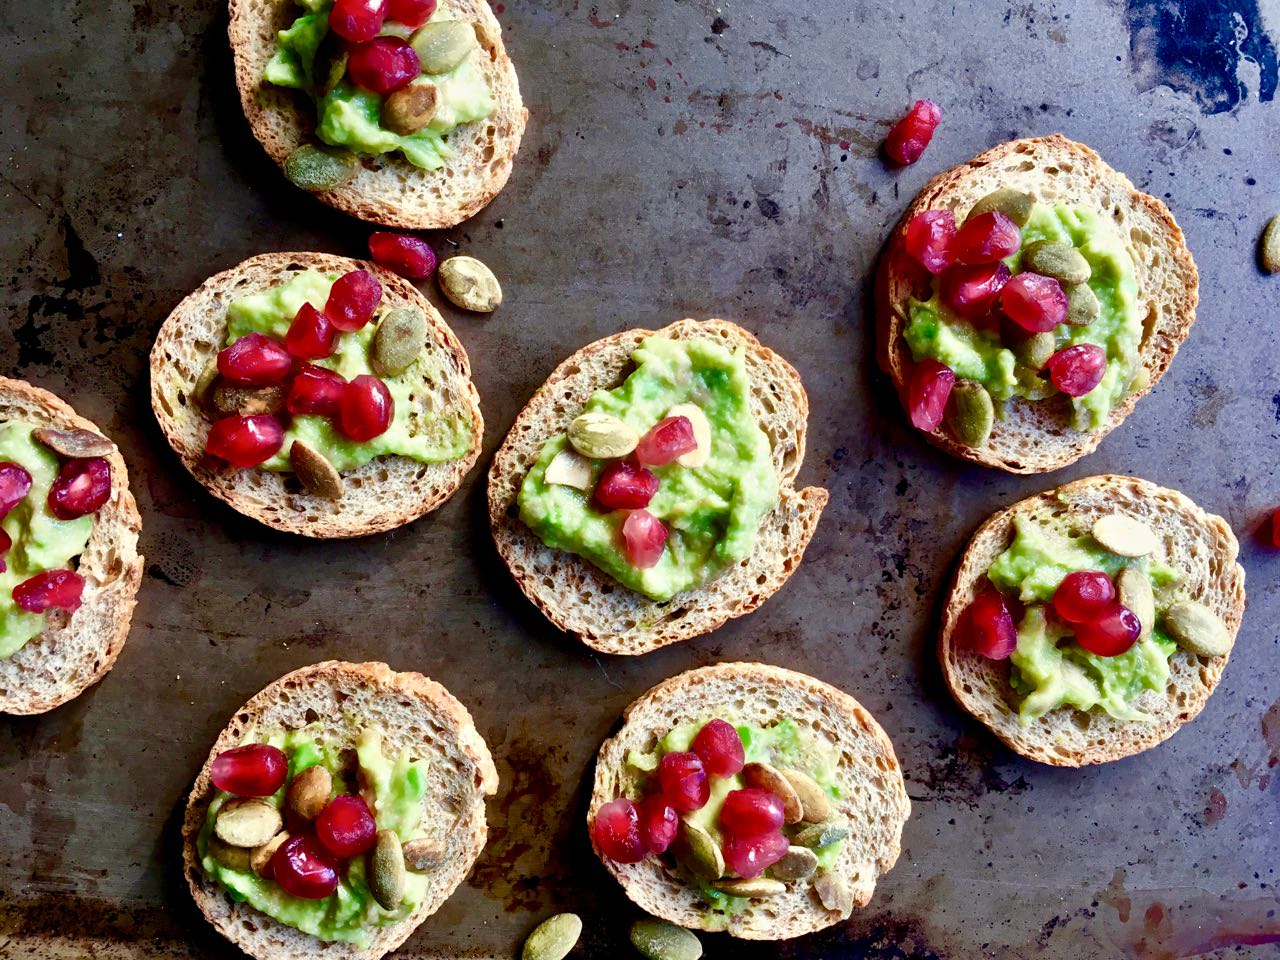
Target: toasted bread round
{"points": [[388, 190], [873, 795], [1199, 544], [583, 600], [411, 712], [1034, 437], [76, 649], [385, 493]]}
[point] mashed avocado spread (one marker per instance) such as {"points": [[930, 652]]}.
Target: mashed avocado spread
{"points": [[40, 540], [395, 791], [411, 433], [976, 352], [712, 512]]}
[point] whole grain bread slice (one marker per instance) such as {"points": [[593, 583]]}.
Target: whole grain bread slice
{"points": [[1200, 545], [873, 795], [583, 600], [389, 189], [1035, 437], [411, 712], [385, 493], [76, 649]]}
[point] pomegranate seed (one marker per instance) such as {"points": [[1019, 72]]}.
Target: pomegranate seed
{"points": [[82, 487], [254, 770], [645, 538], [986, 238], [1077, 370], [719, 748], [683, 781], [911, 134], [357, 20], [366, 408], [929, 238], [311, 336], [1035, 303], [383, 65], [245, 441], [408, 256], [256, 360], [667, 440], [751, 812], [52, 588], [1082, 596], [345, 827], [352, 299], [1112, 632], [971, 291], [6, 542], [1275, 527], [658, 823], [412, 13], [927, 393], [625, 485], [988, 625], [15, 483], [616, 831], [751, 856], [316, 390], [303, 868]]}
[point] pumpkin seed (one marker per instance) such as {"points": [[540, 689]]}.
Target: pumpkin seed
{"points": [[401, 337], [442, 45], [813, 800], [1014, 204], [330, 65], [233, 858], [1124, 536], [260, 857], [308, 792], [658, 940], [1133, 590], [386, 870], [602, 436], [569, 468], [701, 434], [204, 383], [1197, 629], [319, 168], [1269, 248], [553, 938], [970, 415], [821, 835], [1082, 305], [1061, 261], [74, 443], [1034, 351], [764, 776], [833, 893], [316, 474], [702, 852], [409, 109], [423, 855], [469, 284], [247, 822], [229, 398], [798, 863], [755, 887]]}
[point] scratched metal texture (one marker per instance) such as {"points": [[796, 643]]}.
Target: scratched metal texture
{"points": [[681, 159]]}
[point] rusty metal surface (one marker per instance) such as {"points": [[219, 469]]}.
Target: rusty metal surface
{"points": [[682, 159]]}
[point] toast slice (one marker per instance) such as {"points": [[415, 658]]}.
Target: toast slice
{"points": [[1199, 544], [385, 493], [873, 795], [583, 600], [76, 649], [1035, 437], [388, 190], [412, 712]]}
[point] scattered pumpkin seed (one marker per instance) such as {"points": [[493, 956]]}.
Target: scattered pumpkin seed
{"points": [[798, 863], [469, 284], [204, 383], [319, 168], [602, 436], [233, 858], [260, 857], [443, 44], [74, 443], [1061, 261], [658, 940], [423, 855], [409, 109], [970, 415], [247, 822], [701, 434], [330, 65], [819, 835], [833, 893], [569, 468], [1082, 305], [1014, 204], [704, 856], [1133, 590], [755, 887], [386, 870], [553, 938], [399, 341], [229, 398], [813, 800], [308, 792], [1124, 536], [1197, 629], [1034, 351], [1269, 248], [316, 474], [764, 776]]}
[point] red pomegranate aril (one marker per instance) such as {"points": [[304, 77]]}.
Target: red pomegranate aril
{"points": [[345, 827], [255, 360], [312, 335], [245, 441], [52, 588], [667, 440], [720, 748], [988, 625], [315, 390], [366, 409], [352, 299], [971, 291], [625, 485], [254, 770], [658, 823], [383, 65], [1083, 595], [82, 487], [645, 537], [751, 856], [927, 392], [303, 868], [6, 542], [683, 781], [616, 831], [1035, 303], [412, 13], [1111, 632], [929, 238], [411, 257], [1077, 370], [910, 135], [986, 238], [15, 483], [751, 812], [357, 20]]}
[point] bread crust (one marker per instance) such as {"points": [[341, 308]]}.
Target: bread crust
{"points": [[586, 602], [76, 649], [873, 792], [1035, 437], [385, 493], [388, 190], [417, 713], [1200, 544]]}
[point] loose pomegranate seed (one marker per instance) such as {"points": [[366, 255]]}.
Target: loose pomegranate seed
{"points": [[408, 256], [720, 748], [255, 360], [366, 408], [383, 65], [645, 537], [303, 868], [1275, 527], [658, 823], [6, 542], [357, 20], [751, 812], [986, 238], [254, 770], [929, 238], [316, 390], [683, 781], [1035, 303], [312, 335], [82, 487], [52, 588], [245, 441], [927, 393], [345, 827], [1112, 632], [625, 485], [911, 134], [667, 440], [616, 831], [988, 625], [1082, 596], [972, 291], [412, 13], [15, 483], [751, 856], [352, 299], [1077, 370]]}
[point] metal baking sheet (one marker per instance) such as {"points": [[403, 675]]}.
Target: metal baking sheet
{"points": [[682, 158]]}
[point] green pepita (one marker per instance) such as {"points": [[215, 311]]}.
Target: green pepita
{"points": [[230, 398], [1124, 536], [1082, 305], [970, 415], [469, 284], [330, 64], [601, 436], [1061, 261], [204, 383], [658, 940], [318, 168], [1034, 351], [316, 474], [819, 835], [442, 45], [553, 938], [755, 887], [1014, 204], [813, 800], [1269, 248], [768, 778], [409, 109], [75, 442], [702, 853], [401, 336], [386, 870], [1197, 629], [1133, 590], [798, 863]]}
